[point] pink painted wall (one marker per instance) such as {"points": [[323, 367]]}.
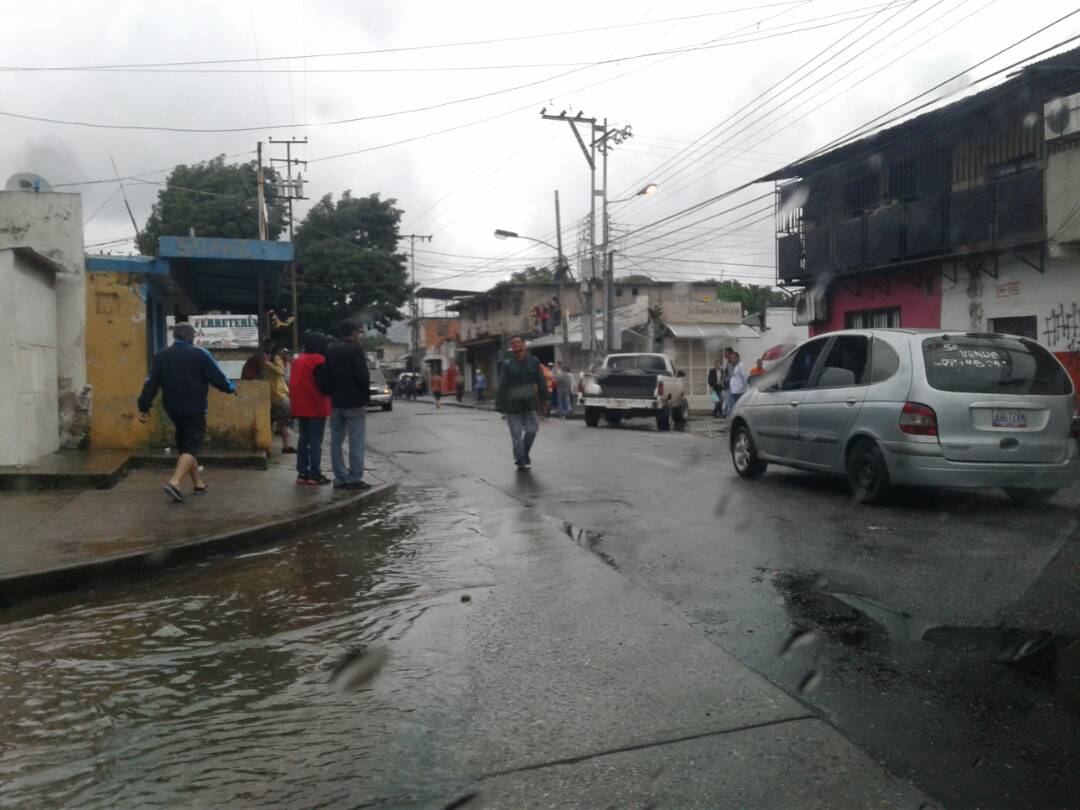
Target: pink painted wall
{"points": [[920, 306]]}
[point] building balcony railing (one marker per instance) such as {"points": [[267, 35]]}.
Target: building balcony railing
{"points": [[1006, 212]]}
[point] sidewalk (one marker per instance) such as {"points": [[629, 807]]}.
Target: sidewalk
{"points": [[701, 423], [57, 540]]}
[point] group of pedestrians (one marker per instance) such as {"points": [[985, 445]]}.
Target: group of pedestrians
{"points": [[328, 380], [727, 382]]}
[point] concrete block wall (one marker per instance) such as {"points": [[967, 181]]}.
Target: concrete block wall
{"points": [[51, 225]]}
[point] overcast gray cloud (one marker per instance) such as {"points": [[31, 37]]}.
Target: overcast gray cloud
{"points": [[462, 184]]}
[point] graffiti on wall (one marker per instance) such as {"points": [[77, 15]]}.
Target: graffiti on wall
{"points": [[1061, 334]]}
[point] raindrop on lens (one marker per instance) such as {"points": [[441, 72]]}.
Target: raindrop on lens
{"points": [[811, 682]]}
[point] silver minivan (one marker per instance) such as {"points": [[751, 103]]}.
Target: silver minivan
{"points": [[916, 407]]}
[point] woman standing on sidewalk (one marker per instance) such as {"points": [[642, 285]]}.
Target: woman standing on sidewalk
{"points": [[311, 407]]}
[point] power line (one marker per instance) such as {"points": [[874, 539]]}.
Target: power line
{"points": [[707, 45], [467, 43]]}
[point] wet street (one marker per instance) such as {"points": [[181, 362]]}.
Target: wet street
{"points": [[938, 632]]}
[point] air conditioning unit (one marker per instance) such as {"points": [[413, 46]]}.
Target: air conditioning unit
{"points": [[1061, 117], [810, 307]]}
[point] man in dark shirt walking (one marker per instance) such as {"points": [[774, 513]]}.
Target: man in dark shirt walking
{"points": [[522, 386], [346, 381], [184, 372]]}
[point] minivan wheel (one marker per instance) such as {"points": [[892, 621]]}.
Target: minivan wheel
{"points": [[1030, 497], [744, 455], [868, 476]]}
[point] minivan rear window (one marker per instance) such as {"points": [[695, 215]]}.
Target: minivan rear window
{"points": [[992, 364]]}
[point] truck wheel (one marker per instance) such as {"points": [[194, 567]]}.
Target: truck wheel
{"points": [[592, 416], [613, 419], [663, 419], [681, 414]]}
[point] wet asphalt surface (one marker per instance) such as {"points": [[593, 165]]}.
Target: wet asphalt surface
{"points": [[939, 632]]}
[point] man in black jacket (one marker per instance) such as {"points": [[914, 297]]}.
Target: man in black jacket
{"points": [[345, 380], [184, 372]]}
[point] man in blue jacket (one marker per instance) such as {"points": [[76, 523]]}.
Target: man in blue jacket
{"points": [[184, 372]]}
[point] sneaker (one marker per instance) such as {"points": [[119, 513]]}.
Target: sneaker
{"points": [[361, 485], [342, 485], [321, 481], [174, 493], [302, 480], [288, 450]]}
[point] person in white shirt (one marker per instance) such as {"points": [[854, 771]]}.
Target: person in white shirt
{"points": [[737, 379]]}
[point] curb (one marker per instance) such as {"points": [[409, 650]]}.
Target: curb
{"points": [[21, 587]]}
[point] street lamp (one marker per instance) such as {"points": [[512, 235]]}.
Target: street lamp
{"points": [[501, 234], [646, 191]]}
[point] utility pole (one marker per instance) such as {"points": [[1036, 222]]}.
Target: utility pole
{"points": [[560, 277], [600, 137], [293, 190], [412, 237]]}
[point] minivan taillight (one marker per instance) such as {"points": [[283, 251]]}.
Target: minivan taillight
{"points": [[918, 419]]}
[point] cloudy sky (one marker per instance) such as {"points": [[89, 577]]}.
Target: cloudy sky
{"points": [[438, 104]]}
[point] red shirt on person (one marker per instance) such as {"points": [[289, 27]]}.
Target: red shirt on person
{"points": [[306, 398]]}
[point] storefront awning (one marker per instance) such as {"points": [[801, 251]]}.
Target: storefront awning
{"points": [[711, 331]]}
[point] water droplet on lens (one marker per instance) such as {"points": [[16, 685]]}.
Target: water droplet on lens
{"points": [[466, 598], [358, 667], [799, 638], [811, 682]]}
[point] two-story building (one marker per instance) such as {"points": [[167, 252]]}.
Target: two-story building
{"points": [[684, 320], [966, 217]]}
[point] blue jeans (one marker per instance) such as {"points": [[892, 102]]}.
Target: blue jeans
{"points": [[523, 427], [347, 423], [566, 402], [309, 446]]}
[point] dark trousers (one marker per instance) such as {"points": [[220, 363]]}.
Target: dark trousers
{"points": [[309, 446]]}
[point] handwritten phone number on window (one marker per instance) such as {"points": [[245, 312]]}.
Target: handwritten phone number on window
{"points": [[968, 362]]}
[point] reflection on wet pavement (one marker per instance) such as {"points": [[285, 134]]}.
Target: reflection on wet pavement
{"points": [[253, 680]]}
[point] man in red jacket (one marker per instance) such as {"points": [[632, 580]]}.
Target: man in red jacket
{"points": [[311, 407]]}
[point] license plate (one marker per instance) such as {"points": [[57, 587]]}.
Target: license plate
{"points": [[1009, 419]]}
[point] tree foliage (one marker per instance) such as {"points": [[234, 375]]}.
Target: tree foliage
{"points": [[213, 198], [753, 297], [349, 267]]}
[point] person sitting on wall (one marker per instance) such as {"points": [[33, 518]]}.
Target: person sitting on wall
{"points": [[183, 373]]}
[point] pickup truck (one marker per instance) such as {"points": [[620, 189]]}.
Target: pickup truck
{"points": [[629, 385]]}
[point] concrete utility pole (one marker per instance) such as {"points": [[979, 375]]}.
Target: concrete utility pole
{"points": [[560, 277], [293, 190], [601, 138], [412, 237]]}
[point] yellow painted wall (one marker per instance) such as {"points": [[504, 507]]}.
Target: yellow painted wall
{"points": [[116, 368], [116, 360]]}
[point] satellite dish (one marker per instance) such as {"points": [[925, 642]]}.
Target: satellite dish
{"points": [[27, 181]]}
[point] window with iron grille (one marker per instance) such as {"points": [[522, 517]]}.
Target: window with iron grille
{"points": [[903, 181], [873, 319], [863, 192]]}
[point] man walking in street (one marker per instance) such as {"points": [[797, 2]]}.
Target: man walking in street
{"points": [[481, 385], [184, 372], [346, 382], [522, 387]]}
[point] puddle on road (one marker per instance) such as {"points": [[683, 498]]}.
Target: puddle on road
{"points": [[299, 675], [865, 625], [586, 538]]}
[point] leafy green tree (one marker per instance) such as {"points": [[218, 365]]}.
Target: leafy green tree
{"points": [[753, 297], [213, 198], [348, 264]]}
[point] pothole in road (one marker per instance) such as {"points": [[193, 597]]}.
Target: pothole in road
{"points": [[863, 624]]}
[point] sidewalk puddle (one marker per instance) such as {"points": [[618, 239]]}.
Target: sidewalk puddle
{"points": [[300, 675]]}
